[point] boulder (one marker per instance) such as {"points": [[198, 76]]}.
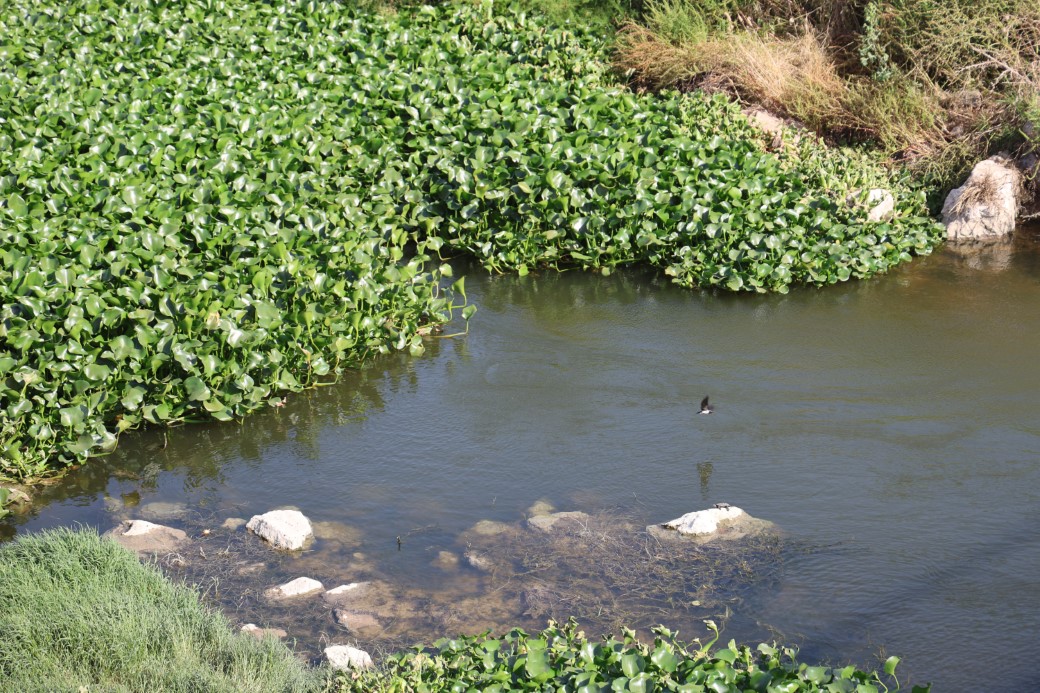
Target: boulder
{"points": [[260, 633], [345, 657], [146, 537], [295, 588], [985, 208], [285, 529]]}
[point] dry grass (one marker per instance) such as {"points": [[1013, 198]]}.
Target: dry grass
{"points": [[792, 75]]}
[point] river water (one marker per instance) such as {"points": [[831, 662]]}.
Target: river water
{"points": [[890, 428]]}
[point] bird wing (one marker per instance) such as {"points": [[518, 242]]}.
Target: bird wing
{"points": [[704, 404]]}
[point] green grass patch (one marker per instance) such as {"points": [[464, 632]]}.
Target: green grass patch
{"points": [[78, 611]]}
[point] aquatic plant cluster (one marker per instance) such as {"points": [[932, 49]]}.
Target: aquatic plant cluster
{"points": [[561, 658], [205, 205]]}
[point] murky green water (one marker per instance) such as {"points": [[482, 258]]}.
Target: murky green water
{"points": [[890, 427]]}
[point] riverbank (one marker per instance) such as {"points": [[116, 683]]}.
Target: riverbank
{"points": [[116, 623]]}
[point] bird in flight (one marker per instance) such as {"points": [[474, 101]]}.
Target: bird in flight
{"points": [[705, 407]]}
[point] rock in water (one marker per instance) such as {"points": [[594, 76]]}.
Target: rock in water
{"points": [[703, 521], [285, 529], [147, 537], [345, 657], [986, 206], [295, 588]]}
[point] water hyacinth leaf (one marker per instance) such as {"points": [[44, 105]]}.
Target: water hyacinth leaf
{"points": [[198, 391], [16, 205], [97, 371]]}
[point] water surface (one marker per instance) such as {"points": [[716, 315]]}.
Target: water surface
{"points": [[889, 427]]}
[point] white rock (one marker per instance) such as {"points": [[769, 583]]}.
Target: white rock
{"points": [[346, 657], [986, 206], [286, 529], [880, 203], [703, 521], [295, 588], [258, 632], [147, 537], [139, 527]]}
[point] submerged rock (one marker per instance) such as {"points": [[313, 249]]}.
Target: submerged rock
{"points": [[986, 206], [540, 507], [295, 588], [553, 522], [163, 510], [146, 537], [345, 657], [259, 633], [446, 560], [357, 623], [338, 532], [346, 593], [233, 523], [285, 529], [490, 528], [480, 561]]}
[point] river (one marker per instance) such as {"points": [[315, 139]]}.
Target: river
{"points": [[888, 427]]}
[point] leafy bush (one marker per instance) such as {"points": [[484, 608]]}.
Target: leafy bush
{"points": [[562, 658]]}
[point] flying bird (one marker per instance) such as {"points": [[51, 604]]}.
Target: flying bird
{"points": [[705, 407]]}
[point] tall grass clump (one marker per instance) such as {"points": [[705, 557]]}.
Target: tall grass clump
{"points": [[79, 612]]}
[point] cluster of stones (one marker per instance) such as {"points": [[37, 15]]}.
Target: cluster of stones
{"points": [[284, 529], [363, 608]]}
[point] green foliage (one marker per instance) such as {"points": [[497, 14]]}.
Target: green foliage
{"points": [[207, 205], [78, 611], [683, 21], [5, 495], [562, 658], [872, 54]]}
